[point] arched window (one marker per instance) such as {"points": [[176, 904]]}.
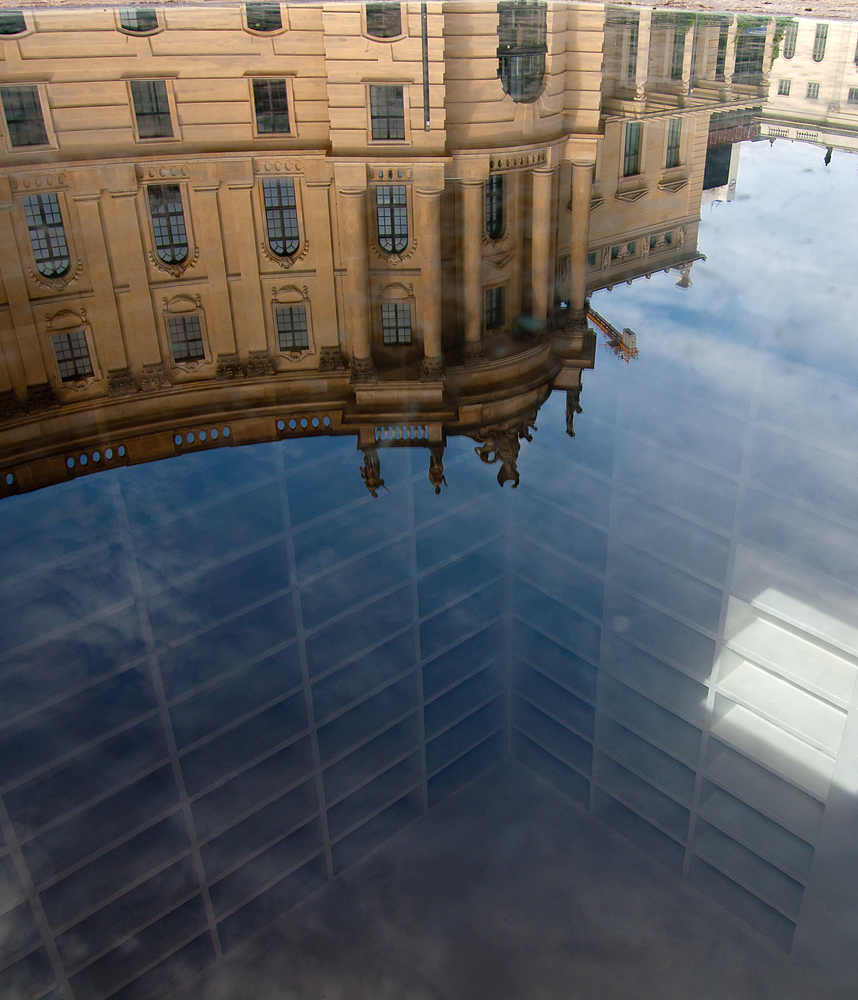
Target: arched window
{"points": [[138, 20], [263, 16], [383, 20], [392, 215], [790, 35], [521, 47], [494, 207], [12, 22], [281, 216], [168, 222], [819, 42], [47, 234]]}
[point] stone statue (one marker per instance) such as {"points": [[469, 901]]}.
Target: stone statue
{"points": [[370, 472], [501, 444], [436, 468], [573, 406]]}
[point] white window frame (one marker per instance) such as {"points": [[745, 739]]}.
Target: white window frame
{"points": [[171, 101], [42, 92]]}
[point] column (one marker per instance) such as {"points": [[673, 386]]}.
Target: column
{"points": [[730, 57], [642, 64], [540, 246], [767, 52], [24, 357], [207, 224], [428, 211], [353, 249], [582, 179], [106, 328], [239, 229], [687, 59], [473, 208]]}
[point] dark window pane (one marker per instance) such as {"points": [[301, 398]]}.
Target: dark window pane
{"points": [[396, 322], [790, 35], [494, 206], [632, 154], [151, 109], [47, 234], [521, 47], [138, 19], [383, 20], [494, 307], [12, 22], [292, 328], [674, 133], [186, 338], [387, 112], [72, 355], [24, 119], [263, 16], [392, 214], [272, 108], [168, 222], [281, 216]]}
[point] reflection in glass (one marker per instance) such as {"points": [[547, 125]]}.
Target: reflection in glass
{"points": [[47, 234], [168, 222]]}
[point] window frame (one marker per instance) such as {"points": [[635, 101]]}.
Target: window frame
{"points": [[25, 17], [292, 308], [175, 134], [288, 256], [634, 158], [808, 96], [67, 323], [820, 41], [41, 95], [784, 87], [403, 22], [183, 319], [76, 376], [495, 203], [852, 95], [289, 296], [399, 241], [140, 33], [290, 107], [396, 305], [673, 143], [789, 40], [494, 311], [59, 275], [265, 32], [406, 126], [177, 267]]}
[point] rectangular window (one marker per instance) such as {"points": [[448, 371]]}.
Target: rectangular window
{"points": [[396, 322], [632, 65], [272, 106], [151, 109], [72, 355], [22, 109], [292, 328], [812, 91], [783, 87], [186, 338], [852, 98], [494, 307], [387, 112], [591, 260], [674, 134], [678, 57], [632, 154]]}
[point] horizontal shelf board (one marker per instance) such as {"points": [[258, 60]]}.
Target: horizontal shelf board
{"points": [[751, 829], [776, 749], [642, 798], [639, 831], [799, 659], [548, 765], [769, 794], [665, 773], [805, 618], [523, 731], [786, 705], [748, 870], [743, 904], [471, 746]]}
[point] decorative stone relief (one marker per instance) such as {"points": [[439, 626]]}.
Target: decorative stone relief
{"points": [[41, 397], [154, 377], [161, 171], [176, 270], [59, 283], [121, 383], [286, 261], [331, 360]]}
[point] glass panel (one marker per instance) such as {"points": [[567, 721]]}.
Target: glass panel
{"points": [[24, 119], [632, 155], [292, 332], [47, 234], [186, 338], [494, 307], [674, 134], [263, 17], [522, 47], [72, 355], [383, 20], [168, 222], [396, 322], [12, 22], [494, 206], [387, 112], [151, 109], [271, 105], [819, 42], [138, 19], [392, 215], [281, 216], [790, 35]]}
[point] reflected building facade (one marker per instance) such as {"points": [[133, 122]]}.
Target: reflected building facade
{"points": [[263, 224]]}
